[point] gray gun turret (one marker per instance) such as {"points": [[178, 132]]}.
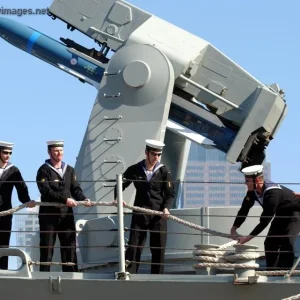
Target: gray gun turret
{"points": [[165, 83]]}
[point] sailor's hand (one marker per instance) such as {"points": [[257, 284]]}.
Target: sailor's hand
{"points": [[30, 204], [71, 202], [88, 203], [166, 213], [244, 239]]}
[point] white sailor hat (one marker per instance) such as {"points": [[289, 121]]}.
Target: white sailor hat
{"points": [[253, 171], [55, 143], [6, 145], [154, 145]]}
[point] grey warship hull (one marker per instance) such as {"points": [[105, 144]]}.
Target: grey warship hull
{"points": [[56, 285]]}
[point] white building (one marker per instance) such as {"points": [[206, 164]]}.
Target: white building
{"points": [[210, 180], [26, 225]]}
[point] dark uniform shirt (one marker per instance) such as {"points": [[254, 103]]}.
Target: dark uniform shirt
{"points": [[11, 177], [56, 187], [275, 200], [157, 193]]}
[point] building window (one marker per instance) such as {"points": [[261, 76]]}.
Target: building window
{"points": [[194, 202]]}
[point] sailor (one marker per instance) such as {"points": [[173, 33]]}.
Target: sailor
{"points": [[57, 183], [275, 200], [154, 190], [10, 177]]}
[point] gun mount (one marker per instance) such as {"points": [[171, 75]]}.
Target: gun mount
{"points": [[165, 83]]}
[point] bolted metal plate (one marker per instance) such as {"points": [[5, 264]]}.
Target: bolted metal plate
{"points": [[111, 166], [112, 135], [136, 74]]}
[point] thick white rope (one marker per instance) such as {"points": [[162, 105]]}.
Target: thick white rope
{"points": [[277, 273], [221, 259], [221, 265], [135, 208]]}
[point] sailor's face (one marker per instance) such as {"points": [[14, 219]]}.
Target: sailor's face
{"points": [[57, 153], [5, 155], [154, 157], [250, 184]]}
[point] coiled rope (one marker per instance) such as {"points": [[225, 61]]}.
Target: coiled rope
{"points": [[220, 259]]}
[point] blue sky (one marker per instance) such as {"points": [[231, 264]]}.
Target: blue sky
{"points": [[39, 102]]}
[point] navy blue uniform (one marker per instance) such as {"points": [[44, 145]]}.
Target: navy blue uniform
{"points": [[156, 194], [279, 202], [11, 177], [56, 187]]}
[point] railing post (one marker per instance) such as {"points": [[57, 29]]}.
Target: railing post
{"points": [[122, 274]]}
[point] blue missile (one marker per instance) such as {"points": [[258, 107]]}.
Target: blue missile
{"points": [[69, 57]]}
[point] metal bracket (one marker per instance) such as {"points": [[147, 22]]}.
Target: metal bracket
{"points": [[112, 118], [122, 275], [55, 285], [246, 280], [111, 74], [112, 162], [112, 96], [112, 140], [108, 186]]}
